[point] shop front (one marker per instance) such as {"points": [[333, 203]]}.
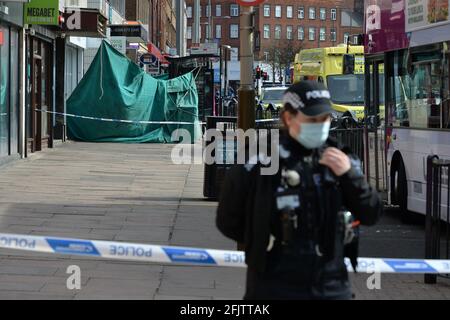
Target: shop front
{"points": [[10, 45], [43, 20], [80, 24]]}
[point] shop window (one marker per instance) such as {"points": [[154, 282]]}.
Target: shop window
{"points": [[4, 93]]}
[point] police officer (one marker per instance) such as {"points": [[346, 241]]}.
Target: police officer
{"points": [[296, 225]]}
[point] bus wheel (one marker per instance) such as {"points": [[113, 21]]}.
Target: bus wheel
{"points": [[399, 191]]}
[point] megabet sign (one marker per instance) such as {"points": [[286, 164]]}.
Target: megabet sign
{"points": [[44, 12]]}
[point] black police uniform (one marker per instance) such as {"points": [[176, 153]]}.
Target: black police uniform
{"points": [[309, 262]]}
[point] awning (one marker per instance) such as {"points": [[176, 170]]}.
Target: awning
{"points": [[157, 53]]}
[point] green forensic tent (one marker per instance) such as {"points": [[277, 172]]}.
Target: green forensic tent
{"points": [[164, 76], [116, 88]]}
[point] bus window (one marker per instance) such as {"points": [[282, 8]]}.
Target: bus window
{"points": [[399, 94], [398, 87], [421, 101], [446, 92]]}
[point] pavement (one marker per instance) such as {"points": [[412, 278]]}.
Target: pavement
{"points": [[133, 193]]}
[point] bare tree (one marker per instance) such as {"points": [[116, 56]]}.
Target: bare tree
{"points": [[289, 49], [281, 54], [273, 57]]}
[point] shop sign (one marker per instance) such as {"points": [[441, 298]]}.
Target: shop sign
{"points": [[41, 12], [421, 14]]}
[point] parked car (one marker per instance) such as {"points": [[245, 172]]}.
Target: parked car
{"points": [[271, 98]]}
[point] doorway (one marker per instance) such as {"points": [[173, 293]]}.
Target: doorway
{"points": [[375, 134], [40, 130]]}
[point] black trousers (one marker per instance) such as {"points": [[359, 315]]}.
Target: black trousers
{"points": [[268, 287]]}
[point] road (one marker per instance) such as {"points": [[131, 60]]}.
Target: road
{"points": [[133, 193]]}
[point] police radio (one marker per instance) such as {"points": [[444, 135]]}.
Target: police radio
{"points": [[288, 201]]}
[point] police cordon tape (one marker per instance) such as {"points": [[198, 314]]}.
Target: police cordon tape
{"points": [[115, 120], [134, 121], [193, 256]]}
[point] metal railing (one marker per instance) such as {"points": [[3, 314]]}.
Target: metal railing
{"points": [[349, 133], [437, 227], [346, 131]]}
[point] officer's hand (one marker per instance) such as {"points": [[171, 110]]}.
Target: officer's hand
{"points": [[336, 160]]}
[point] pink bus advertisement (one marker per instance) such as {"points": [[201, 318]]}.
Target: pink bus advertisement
{"points": [[384, 26]]}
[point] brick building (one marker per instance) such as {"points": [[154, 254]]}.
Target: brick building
{"points": [[159, 16], [306, 24], [225, 22], [168, 30], [309, 24]]}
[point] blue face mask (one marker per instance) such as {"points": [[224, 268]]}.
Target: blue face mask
{"points": [[313, 135]]}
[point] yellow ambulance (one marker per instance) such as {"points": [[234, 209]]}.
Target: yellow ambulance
{"points": [[327, 65]]}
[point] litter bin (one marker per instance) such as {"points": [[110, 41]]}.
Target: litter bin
{"points": [[224, 154]]}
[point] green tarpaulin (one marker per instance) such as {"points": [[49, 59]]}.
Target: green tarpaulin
{"points": [[164, 76], [116, 88]]}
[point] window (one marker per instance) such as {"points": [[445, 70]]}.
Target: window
{"points": [[278, 31], [355, 40], [277, 11], [346, 36], [6, 86], [301, 33], [312, 33], [234, 31], [267, 10], [200, 11], [189, 32], [276, 94], [218, 31], [266, 31], [323, 14], [322, 35], [218, 10], [234, 10], [189, 12], [289, 12], [312, 13], [333, 14], [301, 12], [289, 34], [418, 100], [207, 31], [333, 35], [208, 11], [347, 89]]}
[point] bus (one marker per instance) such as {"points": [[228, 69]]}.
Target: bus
{"points": [[414, 87], [326, 65]]}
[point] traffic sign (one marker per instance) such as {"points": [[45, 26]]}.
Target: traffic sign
{"points": [[249, 3]]}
